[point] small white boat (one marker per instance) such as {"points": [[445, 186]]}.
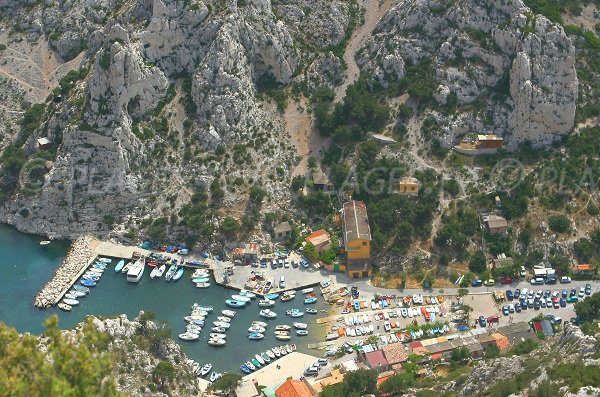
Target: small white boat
{"points": [[256, 328], [223, 318], [154, 272], [221, 324], [193, 328], [217, 342], [218, 330], [260, 324], [247, 293], [214, 376], [228, 313], [72, 302], [240, 298], [283, 328], [71, 296], [307, 290], [270, 353], [193, 318], [105, 260], [202, 285], [205, 369], [44, 242], [65, 307], [266, 313], [281, 333], [161, 271], [188, 336], [126, 267], [266, 303], [216, 335], [300, 325], [198, 312], [259, 359], [78, 294], [96, 270]]}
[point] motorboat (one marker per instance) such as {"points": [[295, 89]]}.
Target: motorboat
{"points": [[88, 283], [240, 298], [259, 359], [201, 280], [120, 265], [189, 336], [178, 273], [311, 311], [256, 329], [205, 369], [272, 296], [260, 324], [234, 303], [154, 272], [282, 328], [44, 242], [152, 264], [77, 294], [81, 288], [216, 335], [126, 267], [171, 272], [268, 285], [266, 313], [300, 325], [307, 290], [250, 365], [96, 270], [301, 332], [245, 369], [161, 270], [198, 312], [194, 318], [193, 328], [266, 303], [105, 260], [136, 271], [196, 306], [270, 354], [290, 348], [71, 296], [221, 324], [214, 376], [65, 307], [282, 337], [287, 297], [247, 293], [265, 357], [308, 301], [256, 336], [202, 285], [217, 342], [228, 313], [223, 318], [219, 329], [281, 333], [72, 302], [255, 362], [295, 313]]}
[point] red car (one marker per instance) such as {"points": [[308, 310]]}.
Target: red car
{"points": [[506, 280], [492, 319]]}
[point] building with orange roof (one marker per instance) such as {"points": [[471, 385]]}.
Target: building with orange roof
{"points": [[320, 239], [583, 267], [293, 388], [395, 353], [334, 378], [501, 341]]}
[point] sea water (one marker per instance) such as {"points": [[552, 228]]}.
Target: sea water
{"points": [[25, 266]]}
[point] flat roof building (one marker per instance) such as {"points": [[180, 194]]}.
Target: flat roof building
{"points": [[357, 239], [282, 230]]}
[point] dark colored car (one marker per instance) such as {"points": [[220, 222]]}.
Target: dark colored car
{"points": [[517, 308], [536, 305], [509, 295], [505, 310], [476, 283], [524, 305], [573, 292], [482, 321], [547, 293], [517, 293], [506, 280], [563, 302], [551, 280]]}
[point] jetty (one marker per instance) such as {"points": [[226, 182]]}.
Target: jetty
{"points": [[77, 261]]}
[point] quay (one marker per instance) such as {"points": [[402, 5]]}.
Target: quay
{"points": [[291, 365]]}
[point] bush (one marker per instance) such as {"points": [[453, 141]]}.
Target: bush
{"points": [[524, 347], [229, 227], [559, 223]]}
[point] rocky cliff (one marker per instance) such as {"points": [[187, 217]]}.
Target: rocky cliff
{"points": [[170, 97]]}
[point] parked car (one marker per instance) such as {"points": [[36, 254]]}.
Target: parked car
{"points": [[493, 319], [476, 283], [482, 321], [489, 283], [551, 280], [304, 263], [517, 293], [565, 280], [556, 320], [547, 293], [555, 303], [517, 308], [506, 280], [286, 264], [565, 293], [294, 264], [536, 305], [563, 302], [581, 292], [573, 292], [509, 295], [588, 289], [505, 310], [522, 272], [572, 299], [537, 281]]}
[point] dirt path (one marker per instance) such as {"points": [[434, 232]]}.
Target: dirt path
{"points": [[374, 10]]}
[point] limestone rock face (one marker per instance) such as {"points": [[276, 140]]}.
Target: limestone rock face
{"points": [[520, 68]]}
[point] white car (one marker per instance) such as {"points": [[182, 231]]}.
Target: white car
{"points": [[565, 280], [387, 327]]}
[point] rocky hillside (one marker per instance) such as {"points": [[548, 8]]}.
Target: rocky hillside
{"points": [[166, 115]]}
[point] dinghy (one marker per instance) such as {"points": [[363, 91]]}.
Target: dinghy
{"points": [[72, 302], [188, 336], [281, 333], [161, 271], [245, 369], [272, 296], [259, 359], [282, 337], [256, 329], [301, 332], [228, 313], [217, 342], [247, 293], [256, 336], [88, 283], [250, 365], [105, 260], [311, 311], [307, 290], [223, 318], [77, 294], [270, 354], [214, 376], [220, 330], [119, 266], [308, 301], [234, 303], [221, 324], [71, 296], [240, 298], [65, 307], [266, 313], [260, 323], [216, 335], [171, 272], [154, 272], [266, 303], [265, 357], [300, 325], [202, 285], [126, 267]]}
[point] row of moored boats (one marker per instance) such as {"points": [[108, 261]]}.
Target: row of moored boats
{"points": [[265, 358], [89, 279]]}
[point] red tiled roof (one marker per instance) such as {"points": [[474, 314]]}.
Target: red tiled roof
{"points": [[293, 388], [583, 267], [376, 358]]}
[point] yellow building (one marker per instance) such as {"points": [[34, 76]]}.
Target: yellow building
{"points": [[357, 239], [409, 186]]}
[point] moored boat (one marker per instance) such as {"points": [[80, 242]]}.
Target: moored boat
{"points": [[266, 303], [105, 260], [81, 288], [256, 329], [301, 332], [154, 272], [221, 324], [216, 335], [234, 303], [65, 307], [255, 362], [217, 342], [300, 325], [171, 272], [250, 365], [283, 337], [270, 354], [281, 333], [161, 270], [189, 336], [44, 242], [247, 293], [308, 301], [72, 302], [307, 290], [228, 313], [240, 298], [120, 265], [201, 280], [205, 369], [283, 328], [125, 268], [71, 296], [78, 294], [88, 283], [266, 313], [202, 285], [245, 369], [311, 311], [260, 324], [256, 336], [224, 318], [265, 357], [136, 271], [272, 296], [220, 330], [178, 273], [259, 359]]}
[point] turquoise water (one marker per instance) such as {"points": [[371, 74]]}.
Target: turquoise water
{"points": [[25, 266]]}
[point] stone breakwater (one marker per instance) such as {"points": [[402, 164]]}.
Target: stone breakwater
{"points": [[76, 261]]}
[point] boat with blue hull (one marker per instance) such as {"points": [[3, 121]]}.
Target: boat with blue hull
{"points": [[234, 303], [120, 265]]}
